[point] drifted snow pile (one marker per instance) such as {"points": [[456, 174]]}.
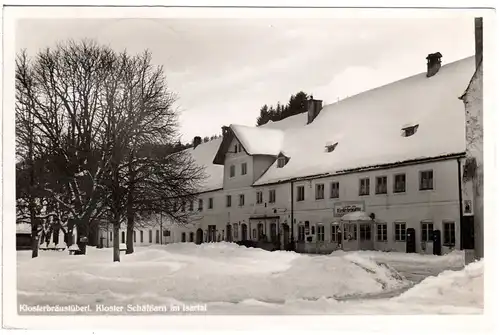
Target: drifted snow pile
{"points": [[458, 288], [208, 273]]}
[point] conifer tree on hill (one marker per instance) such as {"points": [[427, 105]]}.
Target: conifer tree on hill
{"points": [[296, 105]]}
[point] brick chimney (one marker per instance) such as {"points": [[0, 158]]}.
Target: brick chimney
{"points": [[196, 141], [478, 32], [433, 63], [313, 109]]}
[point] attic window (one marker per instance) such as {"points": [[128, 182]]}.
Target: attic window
{"points": [[281, 162], [409, 131], [331, 147]]}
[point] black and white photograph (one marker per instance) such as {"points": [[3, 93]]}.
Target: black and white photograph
{"points": [[187, 162]]}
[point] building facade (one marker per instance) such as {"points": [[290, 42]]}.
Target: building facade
{"points": [[395, 153]]}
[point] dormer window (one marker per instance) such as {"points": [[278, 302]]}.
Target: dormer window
{"points": [[409, 131], [281, 162], [331, 147]]}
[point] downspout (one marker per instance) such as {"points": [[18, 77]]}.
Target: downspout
{"points": [[460, 200], [291, 217]]}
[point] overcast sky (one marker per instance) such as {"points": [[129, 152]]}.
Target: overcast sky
{"points": [[223, 70]]}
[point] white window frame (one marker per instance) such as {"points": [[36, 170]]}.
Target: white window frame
{"points": [[452, 238], [243, 169], [320, 233], [364, 186], [281, 162], [259, 197], [272, 196], [301, 195], [428, 232], [200, 205], [228, 200], [332, 194], [232, 171], [320, 191], [400, 230], [420, 180], [381, 232], [210, 203], [377, 189], [241, 200], [395, 188]]}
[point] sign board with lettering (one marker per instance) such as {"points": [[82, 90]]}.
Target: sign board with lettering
{"points": [[342, 208]]}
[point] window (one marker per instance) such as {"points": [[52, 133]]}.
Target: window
{"points": [[335, 233], [449, 234], [111, 236], [191, 237], [200, 205], [272, 196], [235, 230], [243, 169], [191, 205], [259, 197], [135, 235], [365, 232], [302, 234], [242, 200], [400, 231], [235, 148], [183, 237], [123, 237], [320, 191], [157, 237], [381, 186], [331, 147], [408, 131], [232, 171], [240, 147], [142, 236], [350, 231], [321, 233], [166, 232], [300, 193], [313, 229], [364, 186], [427, 229], [400, 183], [210, 203], [228, 201], [382, 232], [150, 236], [426, 180], [281, 162], [334, 189]]}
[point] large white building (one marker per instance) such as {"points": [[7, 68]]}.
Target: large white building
{"points": [[394, 155]]}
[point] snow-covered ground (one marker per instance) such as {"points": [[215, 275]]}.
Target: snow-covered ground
{"points": [[229, 279]]}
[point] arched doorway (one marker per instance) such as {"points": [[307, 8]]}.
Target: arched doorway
{"points": [[199, 236], [183, 237], [191, 237], [229, 235], [244, 232]]}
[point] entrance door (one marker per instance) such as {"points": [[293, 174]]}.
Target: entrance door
{"points": [[199, 236], [365, 236], [244, 232], [286, 237], [274, 233], [411, 244], [229, 235]]}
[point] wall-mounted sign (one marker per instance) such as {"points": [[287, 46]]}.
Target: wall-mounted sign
{"points": [[342, 208], [468, 210]]}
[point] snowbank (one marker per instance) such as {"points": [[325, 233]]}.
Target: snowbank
{"points": [[221, 272]]}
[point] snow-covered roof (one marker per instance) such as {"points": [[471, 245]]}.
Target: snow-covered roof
{"points": [[203, 155], [259, 140], [368, 126]]}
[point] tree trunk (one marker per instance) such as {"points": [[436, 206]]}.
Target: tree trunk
{"points": [[34, 238], [82, 236], [130, 237], [116, 241]]}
